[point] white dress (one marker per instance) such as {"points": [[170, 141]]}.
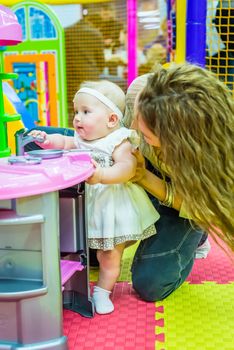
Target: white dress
{"points": [[120, 212]]}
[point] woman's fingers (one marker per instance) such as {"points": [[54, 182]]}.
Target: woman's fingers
{"points": [[95, 164], [140, 169], [139, 157]]}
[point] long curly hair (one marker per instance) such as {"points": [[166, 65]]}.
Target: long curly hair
{"points": [[192, 113]]}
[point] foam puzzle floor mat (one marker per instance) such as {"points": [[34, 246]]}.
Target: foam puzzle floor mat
{"points": [[130, 327], [198, 316]]}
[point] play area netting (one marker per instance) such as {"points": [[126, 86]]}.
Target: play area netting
{"points": [[66, 42]]}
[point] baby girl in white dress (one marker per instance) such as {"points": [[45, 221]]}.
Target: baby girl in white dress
{"points": [[119, 211]]}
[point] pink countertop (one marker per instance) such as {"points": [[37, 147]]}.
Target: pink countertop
{"points": [[23, 180]]}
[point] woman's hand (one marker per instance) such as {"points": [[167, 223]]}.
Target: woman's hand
{"points": [[97, 175], [140, 169]]}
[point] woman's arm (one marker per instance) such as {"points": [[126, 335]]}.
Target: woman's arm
{"points": [[156, 186], [152, 183], [124, 167]]}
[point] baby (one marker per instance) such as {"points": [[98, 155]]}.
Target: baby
{"points": [[119, 211]]}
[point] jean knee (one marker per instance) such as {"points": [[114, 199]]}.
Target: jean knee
{"points": [[155, 279], [155, 290]]}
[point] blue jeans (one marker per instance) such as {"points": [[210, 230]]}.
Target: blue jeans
{"points": [[162, 262]]}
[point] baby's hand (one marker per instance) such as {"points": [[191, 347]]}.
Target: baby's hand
{"points": [[46, 142], [97, 175]]}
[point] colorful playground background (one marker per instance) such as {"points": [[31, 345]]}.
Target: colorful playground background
{"points": [[156, 31]]}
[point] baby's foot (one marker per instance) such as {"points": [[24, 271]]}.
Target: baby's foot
{"points": [[102, 303]]}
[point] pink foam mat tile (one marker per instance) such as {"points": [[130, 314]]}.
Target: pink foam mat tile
{"points": [[130, 327], [217, 267]]}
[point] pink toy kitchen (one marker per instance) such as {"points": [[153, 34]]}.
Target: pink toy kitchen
{"points": [[43, 245], [32, 287]]}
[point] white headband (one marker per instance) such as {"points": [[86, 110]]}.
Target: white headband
{"points": [[103, 99]]}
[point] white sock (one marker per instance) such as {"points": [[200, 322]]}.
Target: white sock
{"points": [[101, 298], [203, 250]]}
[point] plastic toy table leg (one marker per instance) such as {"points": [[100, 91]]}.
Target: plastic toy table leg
{"points": [[76, 294]]}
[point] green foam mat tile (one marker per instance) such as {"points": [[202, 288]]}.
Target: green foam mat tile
{"points": [[125, 273], [130, 251], [198, 317], [93, 274]]}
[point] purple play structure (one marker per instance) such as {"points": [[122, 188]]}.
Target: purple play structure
{"points": [[196, 32]]}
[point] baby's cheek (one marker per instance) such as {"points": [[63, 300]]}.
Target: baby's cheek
{"points": [[90, 128], [74, 123]]}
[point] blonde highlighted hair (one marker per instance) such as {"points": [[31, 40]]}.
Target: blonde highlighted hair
{"points": [[192, 113]]}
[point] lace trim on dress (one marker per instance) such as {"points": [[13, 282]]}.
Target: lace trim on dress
{"points": [[110, 243]]}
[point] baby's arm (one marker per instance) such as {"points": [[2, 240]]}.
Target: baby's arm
{"points": [[124, 167], [52, 141]]}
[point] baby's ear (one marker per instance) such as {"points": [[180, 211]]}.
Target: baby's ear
{"points": [[113, 120]]}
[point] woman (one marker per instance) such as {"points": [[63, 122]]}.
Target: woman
{"points": [[186, 118]]}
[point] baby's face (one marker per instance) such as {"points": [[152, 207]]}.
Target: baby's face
{"points": [[91, 117]]}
